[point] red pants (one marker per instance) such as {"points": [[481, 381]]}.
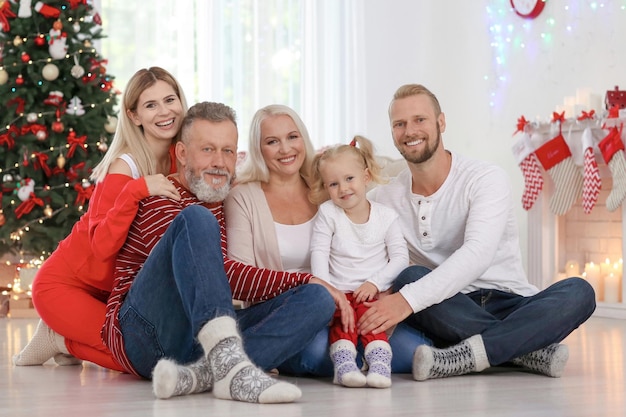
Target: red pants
{"points": [[336, 331], [73, 309]]}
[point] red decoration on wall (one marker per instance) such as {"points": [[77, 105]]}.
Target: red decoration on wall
{"points": [[528, 9]]}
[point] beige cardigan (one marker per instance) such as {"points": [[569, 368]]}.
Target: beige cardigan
{"points": [[250, 227]]}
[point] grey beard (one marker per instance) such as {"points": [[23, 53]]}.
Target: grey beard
{"points": [[206, 192]]}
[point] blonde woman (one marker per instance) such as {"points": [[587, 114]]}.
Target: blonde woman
{"points": [[71, 288]]}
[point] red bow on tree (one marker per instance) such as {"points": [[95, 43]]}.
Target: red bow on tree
{"points": [[5, 13], [28, 205], [41, 161], [20, 104], [74, 142], [586, 115], [8, 138], [521, 124], [33, 128], [83, 194], [75, 3], [72, 173]]}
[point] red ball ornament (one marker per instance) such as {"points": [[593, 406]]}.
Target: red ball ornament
{"points": [[3, 219], [25, 57], [19, 80], [57, 126], [40, 40]]}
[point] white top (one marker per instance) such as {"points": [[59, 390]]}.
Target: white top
{"points": [[465, 232], [131, 163], [347, 254], [294, 242]]}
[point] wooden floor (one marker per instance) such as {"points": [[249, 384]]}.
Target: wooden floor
{"points": [[592, 385]]}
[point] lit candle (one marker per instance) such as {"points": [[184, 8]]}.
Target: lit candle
{"points": [[611, 288], [572, 269], [592, 274], [606, 267]]}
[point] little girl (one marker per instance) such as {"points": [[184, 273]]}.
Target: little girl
{"points": [[357, 246]]}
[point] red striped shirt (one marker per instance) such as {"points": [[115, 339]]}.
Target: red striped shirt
{"points": [[155, 214]]}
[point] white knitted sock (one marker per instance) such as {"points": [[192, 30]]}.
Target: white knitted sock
{"points": [[235, 377], [463, 358], [44, 345], [549, 361], [343, 355], [378, 357], [170, 379]]}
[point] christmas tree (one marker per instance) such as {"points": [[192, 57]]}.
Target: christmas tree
{"points": [[56, 117]]}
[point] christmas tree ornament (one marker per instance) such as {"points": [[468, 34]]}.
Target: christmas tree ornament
{"points": [[75, 107], [111, 124], [102, 145], [25, 57], [55, 98], [50, 72], [591, 174], [47, 211], [4, 77], [87, 43], [41, 135], [61, 161], [18, 41], [85, 183], [76, 27], [31, 117], [556, 158], [7, 178], [19, 80], [40, 40], [612, 150], [57, 126], [5, 13], [3, 219], [47, 11], [25, 9], [27, 187], [57, 45], [527, 161]]}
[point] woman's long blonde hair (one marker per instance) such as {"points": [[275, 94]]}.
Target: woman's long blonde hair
{"points": [[129, 138]]}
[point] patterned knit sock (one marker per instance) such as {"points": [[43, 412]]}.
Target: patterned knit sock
{"points": [[235, 377], [343, 355], [378, 357], [44, 345], [170, 379], [463, 358], [549, 361]]}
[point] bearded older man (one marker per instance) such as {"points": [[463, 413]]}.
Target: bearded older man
{"points": [[170, 315]]}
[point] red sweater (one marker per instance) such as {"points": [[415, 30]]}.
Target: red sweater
{"points": [[155, 214]]}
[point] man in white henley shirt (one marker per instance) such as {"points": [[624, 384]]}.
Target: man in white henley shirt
{"points": [[466, 287]]}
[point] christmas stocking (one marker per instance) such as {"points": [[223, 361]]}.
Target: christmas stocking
{"points": [[612, 149], [591, 175], [527, 161], [556, 158]]}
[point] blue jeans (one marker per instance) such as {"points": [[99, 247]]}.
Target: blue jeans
{"points": [[182, 285], [511, 325], [314, 360]]}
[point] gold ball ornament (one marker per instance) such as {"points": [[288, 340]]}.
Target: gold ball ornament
{"points": [[61, 161], [47, 211], [111, 124], [17, 41], [4, 77], [50, 72]]}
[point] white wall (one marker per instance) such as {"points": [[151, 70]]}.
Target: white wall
{"points": [[448, 46]]}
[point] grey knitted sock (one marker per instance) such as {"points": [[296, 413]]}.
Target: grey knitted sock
{"points": [[463, 358], [170, 379], [549, 361]]}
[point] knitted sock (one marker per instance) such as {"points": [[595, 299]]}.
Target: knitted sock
{"points": [[343, 355], [235, 377], [549, 361], [378, 357], [170, 379], [463, 358], [44, 345]]}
